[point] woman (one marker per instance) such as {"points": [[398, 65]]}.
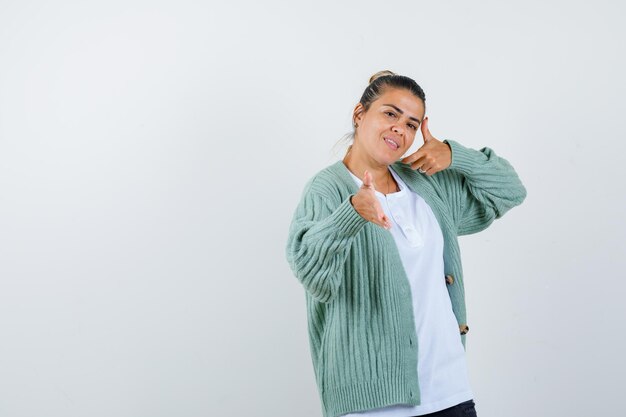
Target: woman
{"points": [[374, 243]]}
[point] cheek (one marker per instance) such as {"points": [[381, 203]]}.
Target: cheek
{"points": [[380, 124]]}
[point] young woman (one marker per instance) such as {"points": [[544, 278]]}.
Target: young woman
{"points": [[374, 243]]}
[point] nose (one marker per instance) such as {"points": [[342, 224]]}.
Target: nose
{"points": [[397, 129]]}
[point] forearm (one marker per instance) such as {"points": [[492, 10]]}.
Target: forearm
{"points": [[487, 187], [318, 244]]}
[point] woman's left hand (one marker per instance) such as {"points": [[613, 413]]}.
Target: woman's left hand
{"points": [[433, 156]]}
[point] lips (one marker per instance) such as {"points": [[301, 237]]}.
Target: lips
{"points": [[393, 143]]}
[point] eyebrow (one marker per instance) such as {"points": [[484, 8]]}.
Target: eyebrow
{"points": [[401, 112]]}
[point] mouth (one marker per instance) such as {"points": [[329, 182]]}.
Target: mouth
{"points": [[392, 143]]}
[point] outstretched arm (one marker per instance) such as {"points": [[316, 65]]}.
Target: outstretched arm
{"points": [[320, 236]]}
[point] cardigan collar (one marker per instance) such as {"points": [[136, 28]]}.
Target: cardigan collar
{"points": [[418, 183], [421, 184]]}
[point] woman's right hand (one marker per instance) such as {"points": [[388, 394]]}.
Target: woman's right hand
{"points": [[367, 205]]}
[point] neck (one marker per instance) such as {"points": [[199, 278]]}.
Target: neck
{"points": [[357, 162]]}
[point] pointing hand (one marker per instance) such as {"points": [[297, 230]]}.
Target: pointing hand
{"points": [[367, 205]]}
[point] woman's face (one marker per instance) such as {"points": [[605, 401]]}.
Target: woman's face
{"points": [[389, 127]]}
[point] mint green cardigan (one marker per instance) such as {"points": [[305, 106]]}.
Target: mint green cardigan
{"points": [[359, 309]]}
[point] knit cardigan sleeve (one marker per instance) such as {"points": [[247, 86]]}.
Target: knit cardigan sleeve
{"points": [[320, 235], [480, 186]]}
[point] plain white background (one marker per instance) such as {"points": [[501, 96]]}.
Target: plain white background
{"points": [[152, 154]]}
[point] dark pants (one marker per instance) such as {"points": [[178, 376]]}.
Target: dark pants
{"points": [[464, 409]]}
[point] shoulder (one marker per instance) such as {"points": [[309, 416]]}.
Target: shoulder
{"points": [[442, 183], [328, 182], [405, 172], [414, 178]]}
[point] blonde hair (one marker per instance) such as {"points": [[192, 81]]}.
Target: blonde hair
{"points": [[381, 74]]}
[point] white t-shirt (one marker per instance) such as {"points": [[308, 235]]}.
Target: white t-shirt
{"points": [[442, 368]]}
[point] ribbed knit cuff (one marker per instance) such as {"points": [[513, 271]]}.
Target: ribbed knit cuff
{"points": [[347, 220], [463, 159]]}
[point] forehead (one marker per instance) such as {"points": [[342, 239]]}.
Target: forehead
{"points": [[403, 99]]}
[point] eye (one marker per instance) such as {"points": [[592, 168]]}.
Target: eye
{"points": [[412, 126], [391, 113]]}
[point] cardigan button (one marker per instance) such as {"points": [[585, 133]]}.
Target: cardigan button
{"points": [[449, 279], [464, 328]]}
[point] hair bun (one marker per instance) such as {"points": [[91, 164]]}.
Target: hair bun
{"points": [[381, 74]]}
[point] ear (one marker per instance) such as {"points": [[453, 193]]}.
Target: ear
{"points": [[357, 114]]}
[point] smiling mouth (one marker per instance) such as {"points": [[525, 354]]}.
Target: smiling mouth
{"points": [[392, 143]]}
